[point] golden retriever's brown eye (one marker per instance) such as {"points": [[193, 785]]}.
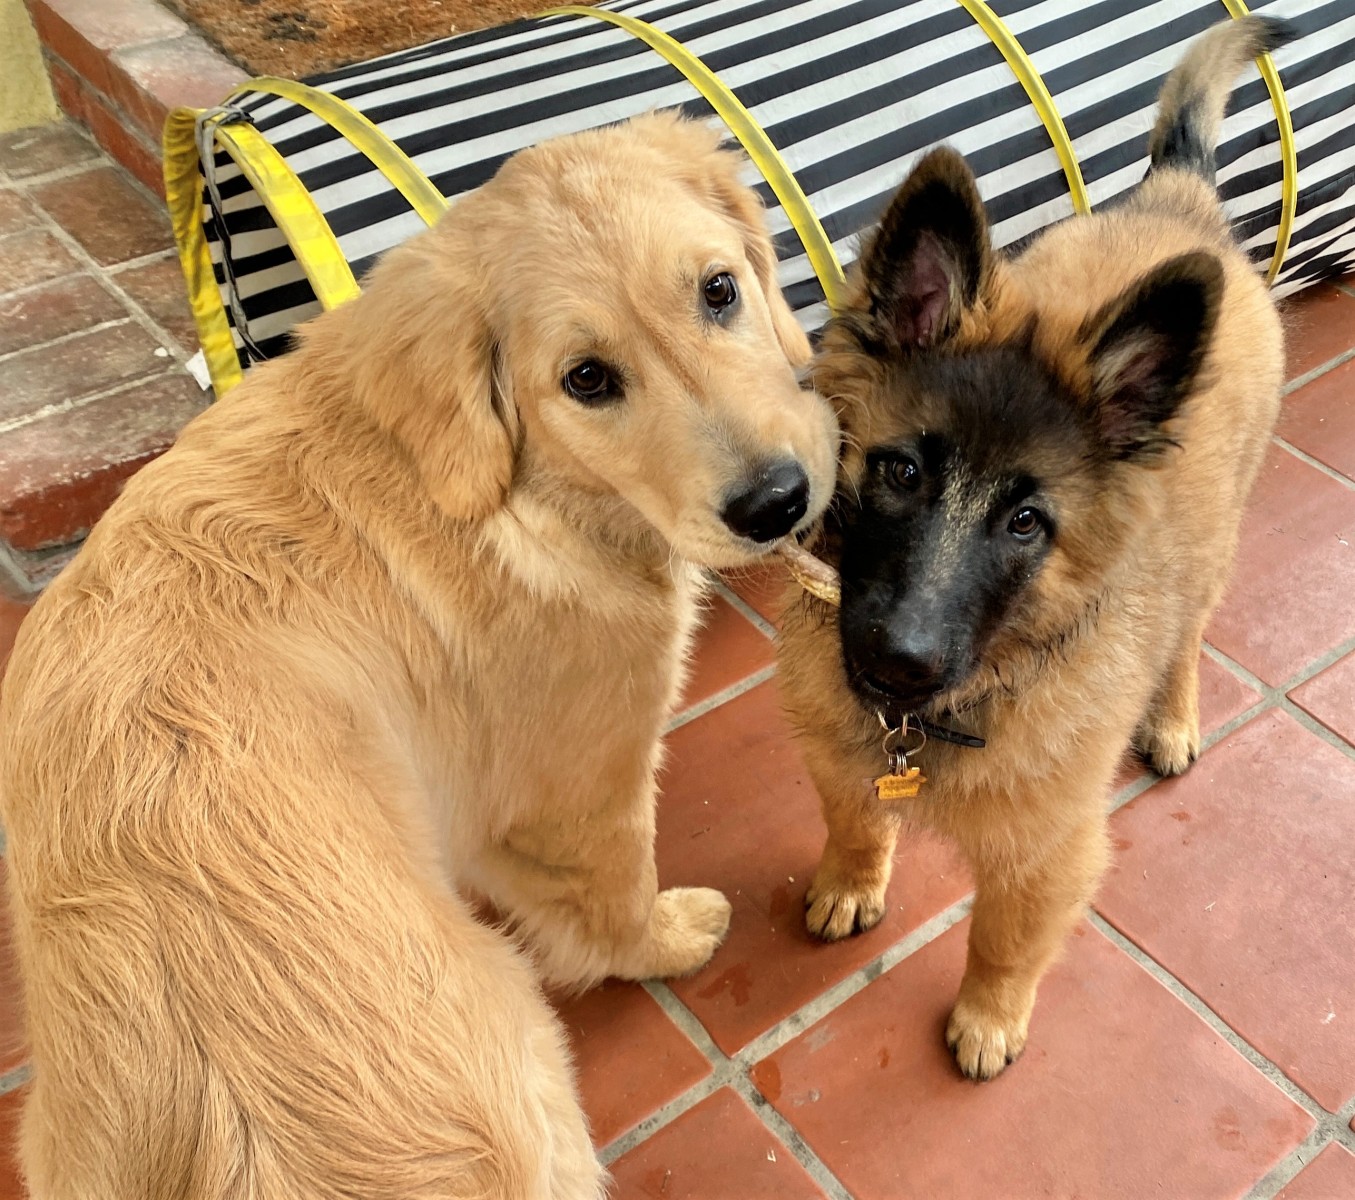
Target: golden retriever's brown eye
{"points": [[720, 291], [1025, 524], [903, 473], [590, 382]]}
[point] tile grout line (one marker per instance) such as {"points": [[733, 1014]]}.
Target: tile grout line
{"points": [[1317, 372], [740, 605], [15, 1078], [103, 275], [1316, 728], [791, 1138], [144, 260], [67, 406], [61, 339], [60, 174], [1278, 697], [1301, 1155], [1304, 456], [1201, 1009], [828, 1001], [722, 1073], [727, 1069], [1328, 1127], [726, 1072], [732, 692], [79, 271]]}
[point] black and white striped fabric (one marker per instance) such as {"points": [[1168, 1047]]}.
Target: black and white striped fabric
{"points": [[850, 91]]}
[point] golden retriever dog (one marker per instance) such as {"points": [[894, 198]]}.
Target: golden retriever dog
{"points": [[407, 610], [1047, 460]]}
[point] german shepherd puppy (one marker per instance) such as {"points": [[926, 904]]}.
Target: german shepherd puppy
{"points": [[1045, 463]]}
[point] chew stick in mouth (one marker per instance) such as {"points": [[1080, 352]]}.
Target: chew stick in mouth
{"points": [[812, 574]]}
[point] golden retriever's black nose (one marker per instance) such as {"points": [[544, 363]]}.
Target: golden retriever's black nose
{"points": [[771, 504]]}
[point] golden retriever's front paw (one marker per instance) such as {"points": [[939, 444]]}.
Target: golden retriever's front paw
{"points": [[686, 926], [983, 1044]]}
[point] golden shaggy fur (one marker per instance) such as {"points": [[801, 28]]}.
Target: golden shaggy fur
{"points": [[398, 614], [1102, 647]]}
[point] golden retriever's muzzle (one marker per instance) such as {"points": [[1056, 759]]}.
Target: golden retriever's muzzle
{"points": [[770, 504]]}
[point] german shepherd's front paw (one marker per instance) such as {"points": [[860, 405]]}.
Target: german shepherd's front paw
{"points": [[840, 904], [685, 928], [984, 1044], [1170, 748]]}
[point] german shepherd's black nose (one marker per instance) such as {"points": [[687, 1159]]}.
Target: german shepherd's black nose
{"points": [[904, 658], [771, 505]]}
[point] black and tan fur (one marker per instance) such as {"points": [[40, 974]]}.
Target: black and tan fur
{"points": [[1046, 462]]}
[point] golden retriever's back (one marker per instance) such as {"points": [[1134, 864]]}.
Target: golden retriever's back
{"points": [[406, 612], [232, 914]]}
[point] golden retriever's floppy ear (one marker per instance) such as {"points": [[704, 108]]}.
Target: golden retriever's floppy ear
{"points": [[931, 255], [424, 368], [1144, 351], [742, 206], [696, 154]]}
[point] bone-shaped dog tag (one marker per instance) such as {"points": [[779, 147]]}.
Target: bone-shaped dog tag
{"points": [[904, 786]]}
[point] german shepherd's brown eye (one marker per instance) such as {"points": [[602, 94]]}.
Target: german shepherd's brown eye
{"points": [[903, 473], [1026, 523], [719, 291], [590, 382]]}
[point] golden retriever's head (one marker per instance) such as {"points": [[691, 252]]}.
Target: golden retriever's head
{"points": [[603, 316]]}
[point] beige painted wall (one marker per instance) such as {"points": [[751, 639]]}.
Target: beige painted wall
{"points": [[25, 94]]}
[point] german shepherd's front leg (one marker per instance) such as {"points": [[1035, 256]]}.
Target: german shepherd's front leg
{"points": [[848, 892], [1169, 735], [1019, 924]]}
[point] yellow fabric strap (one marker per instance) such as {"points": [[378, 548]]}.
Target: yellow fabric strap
{"points": [[383, 153], [750, 134], [1289, 155], [183, 192], [295, 212], [1029, 77]]}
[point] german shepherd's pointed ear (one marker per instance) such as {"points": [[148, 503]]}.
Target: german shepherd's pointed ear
{"points": [[1145, 350], [429, 378], [931, 254], [695, 152]]}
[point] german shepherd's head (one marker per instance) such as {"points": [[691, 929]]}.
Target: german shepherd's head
{"points": [[1000, 444]]}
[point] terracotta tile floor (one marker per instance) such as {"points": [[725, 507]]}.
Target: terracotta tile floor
{"points": [[1197, 1040]]}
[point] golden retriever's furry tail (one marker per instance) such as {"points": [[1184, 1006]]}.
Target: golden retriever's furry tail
{"points": [[1191, 103]]}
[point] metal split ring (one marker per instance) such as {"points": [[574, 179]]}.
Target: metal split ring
{"points": [[895, 742]]}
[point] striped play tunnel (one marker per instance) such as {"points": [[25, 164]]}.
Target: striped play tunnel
{"points": [[285, 195]]}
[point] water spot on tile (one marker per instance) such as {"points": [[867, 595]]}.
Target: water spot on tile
{"points": [[737, 981], [779, 902], [656, 1181], [820, 1037], [1227, 1129], [767, 1076]]}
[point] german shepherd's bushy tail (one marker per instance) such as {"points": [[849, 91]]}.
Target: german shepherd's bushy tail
{"points": [[1191, 103]]}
